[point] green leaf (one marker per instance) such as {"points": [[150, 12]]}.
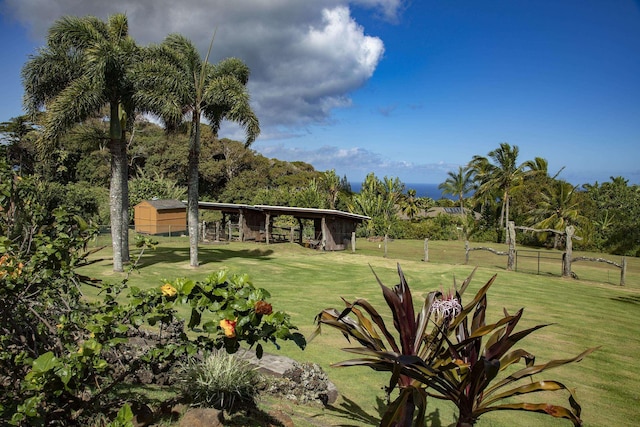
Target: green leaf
{"points": [[210, 327], [259, 351], [44, 363], [65, 374]]}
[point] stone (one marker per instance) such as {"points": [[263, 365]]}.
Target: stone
{"points": [[283, 419], [202, 417]]}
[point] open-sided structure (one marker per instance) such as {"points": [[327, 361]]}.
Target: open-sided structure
{"points": [[332, 229]]}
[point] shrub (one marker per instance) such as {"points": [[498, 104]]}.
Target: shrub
{"points": [[55, 346], [221, 380]]}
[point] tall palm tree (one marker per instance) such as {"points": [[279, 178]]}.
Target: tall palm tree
{"points": [[502, 173], [84, 67], [458, 184], [558, 208], [176, 84]]}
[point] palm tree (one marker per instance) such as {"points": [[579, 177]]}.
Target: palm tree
{"points": [[558, 208], [503, 175], [458, 184], [85, 67], [409, 204], [175, 84]]}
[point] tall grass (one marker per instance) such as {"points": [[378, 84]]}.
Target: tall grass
{"points": [[585, 313]]}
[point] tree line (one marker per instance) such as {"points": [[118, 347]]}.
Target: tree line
{"points": [[89, 93]]}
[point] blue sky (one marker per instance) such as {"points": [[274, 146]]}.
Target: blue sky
{"points": [[406, 89]]}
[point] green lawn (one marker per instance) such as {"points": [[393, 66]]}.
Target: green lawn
{"points": [[592, 311]]}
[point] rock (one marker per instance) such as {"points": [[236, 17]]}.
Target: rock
{"points": [[283, 419], [202, 417], [142, 414]]}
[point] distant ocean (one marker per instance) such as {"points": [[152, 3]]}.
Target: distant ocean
{"points": [[422, 190]]}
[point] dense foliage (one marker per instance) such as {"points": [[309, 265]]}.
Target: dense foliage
{"points": [[57, 363]]}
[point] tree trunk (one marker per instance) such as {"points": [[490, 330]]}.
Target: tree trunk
{"points": [[192, 202], [116, 202], [506, 218], [116, 188], [124, 170]]}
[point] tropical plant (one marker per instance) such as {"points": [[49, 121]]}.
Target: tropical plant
{"points": [[557, 209], [447, 352], [220, 380], [330, 183], [409, 204], [458, 184], [174, 83], [17, 136], [85, 66], [499, 177], [56, 347], [379, 200]]}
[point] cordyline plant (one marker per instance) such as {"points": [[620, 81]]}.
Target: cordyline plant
{"points": [[446, 352]]}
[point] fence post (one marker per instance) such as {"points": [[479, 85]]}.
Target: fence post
{"points": [[623, 271], [353, 241], [426, 250], [385, 245], [512, 246], [466, 252]]}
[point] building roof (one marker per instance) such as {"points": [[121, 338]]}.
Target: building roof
{"points": [[283, 210], [165, 204]]}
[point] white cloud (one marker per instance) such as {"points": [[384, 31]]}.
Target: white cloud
{"points": [[357, 162], [305, 57]]}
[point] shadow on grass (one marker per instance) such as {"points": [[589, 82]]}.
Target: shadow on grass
{"points": [[629, 299], [350, 410], [206, 255]]}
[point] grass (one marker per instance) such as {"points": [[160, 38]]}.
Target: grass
{"points": [[592, 311]]}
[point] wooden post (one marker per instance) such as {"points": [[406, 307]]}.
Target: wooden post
{"points": [[217, 231], [566, 264], [267, 226], [241, 226], [385, 244], [204, 230], [301, 230], [353, 242], [511, 256], [623, 271], [323, 226], [291, 235], [426, 250], [230, 231]]}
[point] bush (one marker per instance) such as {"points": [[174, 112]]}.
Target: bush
{"points": [[56, 364], [222, 381]]}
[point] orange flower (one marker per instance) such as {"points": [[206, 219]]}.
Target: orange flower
{"points": [[263, 307], [168, 290], [229, 327]]}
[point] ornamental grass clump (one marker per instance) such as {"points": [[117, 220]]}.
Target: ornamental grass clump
{"points": [[221, 381], [448, 352]]}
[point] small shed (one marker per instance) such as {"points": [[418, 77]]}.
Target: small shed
{"points": [[160, 217]]}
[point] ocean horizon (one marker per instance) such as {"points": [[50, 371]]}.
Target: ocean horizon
{"points": [[422, 190]]}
